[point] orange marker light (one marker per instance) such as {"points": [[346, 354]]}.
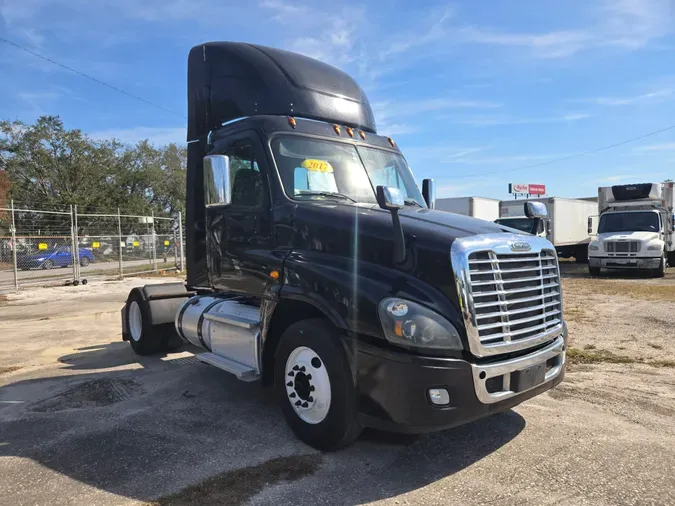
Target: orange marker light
{"points": [[398, 330], [391, 142], [291, 121], [337, 129], [362, 134], [350, 132], [274, 274]]}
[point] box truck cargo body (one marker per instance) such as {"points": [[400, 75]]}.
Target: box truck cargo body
{"points": [[476, 207], [567, 227]]}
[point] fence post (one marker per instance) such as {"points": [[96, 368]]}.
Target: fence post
{"points": [[180, 240], [72, 241], [154, 243], [119, 242], [76, 261], [13, 232]]}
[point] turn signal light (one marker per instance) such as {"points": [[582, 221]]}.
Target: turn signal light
{"points": [[274, 274]]}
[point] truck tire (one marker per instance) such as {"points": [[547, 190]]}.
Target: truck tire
{"points": [[660, 271], [314, 385], [145, 339], [594, 271]]}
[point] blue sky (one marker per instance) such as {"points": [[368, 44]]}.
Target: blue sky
{"points": [[472, 91]]}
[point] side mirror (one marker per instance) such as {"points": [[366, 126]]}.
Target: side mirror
{"points": [[590, 225], [217, 181], [390, 198], [429, 192], [535, 210]]}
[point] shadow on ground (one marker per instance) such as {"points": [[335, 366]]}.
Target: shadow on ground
{"points": [[180, 432]]}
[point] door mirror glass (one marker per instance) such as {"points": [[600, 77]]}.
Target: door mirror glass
{"points": [[217, 181], [535, 210], [429, 192], [390, 198]]}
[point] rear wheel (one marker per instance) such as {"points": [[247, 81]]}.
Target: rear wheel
{"points": [[48, 264], [84, 261], [144, 338], [314, 385], [594, 271]]}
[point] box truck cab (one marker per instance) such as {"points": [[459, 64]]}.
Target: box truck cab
{"points": [[317, 265], [635, 228]]}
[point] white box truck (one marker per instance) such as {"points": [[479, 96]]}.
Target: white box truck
{"points": [[566, 228], [476, 207], [635, 229]]}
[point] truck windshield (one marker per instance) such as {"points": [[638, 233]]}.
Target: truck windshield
{"points": [[629, 222], [314, 169], [522, 224]]}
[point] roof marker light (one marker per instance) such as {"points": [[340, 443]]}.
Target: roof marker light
{"points": [[337, 129], [350, 132], [291, 121], [391, 142], [362, 134]]}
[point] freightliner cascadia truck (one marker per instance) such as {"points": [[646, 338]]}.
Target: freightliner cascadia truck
{"points": [[635, 229], [316, 265]]}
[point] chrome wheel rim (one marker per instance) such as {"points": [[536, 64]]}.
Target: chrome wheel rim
{"points": [[135, 321], [307, 385]]}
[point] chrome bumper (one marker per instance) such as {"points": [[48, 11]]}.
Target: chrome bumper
{"points": [[482, 373], [625, 262]]}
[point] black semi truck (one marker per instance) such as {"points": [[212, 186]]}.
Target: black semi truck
{"points": [[315, 264]]}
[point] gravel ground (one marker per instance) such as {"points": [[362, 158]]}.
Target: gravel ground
{"points": [[85, 421]]}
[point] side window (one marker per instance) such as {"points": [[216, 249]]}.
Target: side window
{"points": [[246, 183]]}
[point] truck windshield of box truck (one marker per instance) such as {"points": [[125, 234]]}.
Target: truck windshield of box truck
{"points": [[319, 169], [528, 225], [629, 222]]}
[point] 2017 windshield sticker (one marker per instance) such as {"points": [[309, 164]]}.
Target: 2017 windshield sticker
{"points": [[317, 165]]}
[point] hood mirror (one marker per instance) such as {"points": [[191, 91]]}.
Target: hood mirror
{"points": [[429, 192], [536, 210], [217, 181], [391, 199]]}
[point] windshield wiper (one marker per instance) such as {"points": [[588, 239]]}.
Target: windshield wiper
{"points": [[412, 202], [327, 194]]}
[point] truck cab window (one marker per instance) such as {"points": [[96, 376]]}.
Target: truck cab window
{"points": [[246, 182]]}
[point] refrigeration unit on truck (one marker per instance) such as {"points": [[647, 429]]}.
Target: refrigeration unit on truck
{"points": [[635, 228], [476, 207], [315, 264], [566, 226]]}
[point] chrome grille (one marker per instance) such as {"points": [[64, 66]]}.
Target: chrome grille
{"points": [[622, 246], [512, 301]]}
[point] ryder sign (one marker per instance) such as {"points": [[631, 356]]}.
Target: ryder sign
{"points": [[528, 189]]}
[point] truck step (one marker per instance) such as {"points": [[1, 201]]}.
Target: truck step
{"points": [[241, 371]]}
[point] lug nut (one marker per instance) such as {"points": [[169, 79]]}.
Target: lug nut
{"points": [[289, 384], [305, 405], [291, 373], [295, 368], [302, 369], [311, 388], [298, 403], [292, 395], [310, 398], [309, 376]]}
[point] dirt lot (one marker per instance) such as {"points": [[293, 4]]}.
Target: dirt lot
{"points": [[85, 421]]}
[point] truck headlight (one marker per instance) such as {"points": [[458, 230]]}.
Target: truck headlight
{"points": [[407, 323], [654, 247], [593, 247]]}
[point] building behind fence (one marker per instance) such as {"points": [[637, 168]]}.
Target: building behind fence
{"points": [[65, 245]]}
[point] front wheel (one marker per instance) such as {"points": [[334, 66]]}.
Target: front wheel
{"points": [[48, 264], [84, 261], [594, 271], [660, 271], [314, 385]]}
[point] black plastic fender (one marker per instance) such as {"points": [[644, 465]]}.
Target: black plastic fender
{"points": [[162, 302]]}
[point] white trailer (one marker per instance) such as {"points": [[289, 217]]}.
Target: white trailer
{"points": [[636, 228], [566, 228], [476, 207]]}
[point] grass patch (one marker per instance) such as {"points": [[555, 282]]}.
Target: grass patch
{"points": [[589, 347], [7, 370], [655, 346], [594, 356], [236, 487], [634, 289], [574, 314]]}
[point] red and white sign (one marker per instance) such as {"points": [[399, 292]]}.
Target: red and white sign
{"points": [[529, 189]]}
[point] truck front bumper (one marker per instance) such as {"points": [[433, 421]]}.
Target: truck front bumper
{"points": [[395, 388], [625, 262]]}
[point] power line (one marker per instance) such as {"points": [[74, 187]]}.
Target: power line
{"points": [[86, 76], [564, 158]]}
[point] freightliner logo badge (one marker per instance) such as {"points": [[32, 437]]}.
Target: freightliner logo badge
{"points": [[520, 246]]}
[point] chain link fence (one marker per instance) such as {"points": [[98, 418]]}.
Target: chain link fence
{"points": [[65, 245]]}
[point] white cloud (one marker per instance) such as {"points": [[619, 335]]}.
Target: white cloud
{"points": [[651, 98], [546, 45], [509, 120], [507, 159], [657, 147], [160, 136]]}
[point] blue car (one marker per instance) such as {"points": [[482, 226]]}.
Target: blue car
{"points": [[50, 258]]}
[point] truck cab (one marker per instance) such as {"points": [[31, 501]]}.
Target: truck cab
{"points": [[316, 264], [635, 229]]}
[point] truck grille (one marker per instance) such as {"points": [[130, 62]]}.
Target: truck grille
{"points": [[513, 300], [622, 246]]}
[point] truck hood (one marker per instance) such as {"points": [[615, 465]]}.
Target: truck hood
{"points": [[628, 236]]}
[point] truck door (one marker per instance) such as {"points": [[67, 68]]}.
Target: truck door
{"points": [[239, 240]]}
